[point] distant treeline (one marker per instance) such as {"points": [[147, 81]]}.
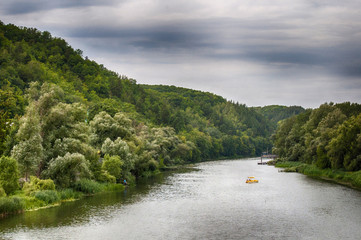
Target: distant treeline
{"points": [[329, 137], [67, 118]]}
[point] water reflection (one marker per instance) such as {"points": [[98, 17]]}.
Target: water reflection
{"points": [[213, 202]]}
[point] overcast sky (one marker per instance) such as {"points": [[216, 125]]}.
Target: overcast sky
{"points": [[256, 52]]}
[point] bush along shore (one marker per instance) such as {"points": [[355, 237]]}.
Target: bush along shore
{"points": [[38, 194], [349, 179]]}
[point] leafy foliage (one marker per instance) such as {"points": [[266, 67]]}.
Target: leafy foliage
{"points": [[29, 150], [11, 205], [68, 169], [9, 174], [276, 113], [113, 166], [2, 192], [37, 184], [328, 137], [47, 196], [87, 186]]}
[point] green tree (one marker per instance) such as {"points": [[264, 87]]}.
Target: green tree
{"points": [[344, 150], [29, 151], [324, 133], [68, 169], [119, 148], [9, 174], [113, 165], [104, 126], [4, 130]]}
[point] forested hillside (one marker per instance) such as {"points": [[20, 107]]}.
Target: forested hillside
{"points": [[65, 117], [275, 113], [328, 137]]}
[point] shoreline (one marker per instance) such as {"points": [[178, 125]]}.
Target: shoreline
{"points": [[347, 179], [30, 203], [24, 203]]}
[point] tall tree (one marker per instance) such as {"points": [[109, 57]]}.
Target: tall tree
{"points": [[29, 151], [9, 174]]}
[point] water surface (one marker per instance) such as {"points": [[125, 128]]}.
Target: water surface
{"points": [[211, 202]]}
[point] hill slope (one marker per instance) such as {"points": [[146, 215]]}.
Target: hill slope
{"points": [[63, 107]]}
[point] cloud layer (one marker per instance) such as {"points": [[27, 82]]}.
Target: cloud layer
{"points": [[256, 52]]}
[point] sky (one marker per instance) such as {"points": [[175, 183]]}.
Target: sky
{"points": [[255, 52]]}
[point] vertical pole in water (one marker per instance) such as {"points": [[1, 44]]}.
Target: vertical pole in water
{"points": [[261, 160]]}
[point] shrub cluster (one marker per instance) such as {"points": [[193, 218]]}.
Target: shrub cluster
{"points": [[106, 177], [11, 205], [2, 192], [87, 186], [47, 196], [37, 184], [68, 193]]}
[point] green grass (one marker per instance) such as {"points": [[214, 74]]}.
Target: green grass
{"points": [[351, 179], [33, 203], [88, 186], [47, 196], [111, 187], [287, 164], [23, 201], [69, 194], [9, 205]]}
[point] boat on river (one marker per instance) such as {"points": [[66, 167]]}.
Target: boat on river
{"points": [[251, 180]]}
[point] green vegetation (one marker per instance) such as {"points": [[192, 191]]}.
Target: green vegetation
{"points": [[62, 113], [87, 186], [37, 184], [352, 179], [47, 196], [11, 205], [80, 128], [327, 139], [276, 113], [9, 175]]}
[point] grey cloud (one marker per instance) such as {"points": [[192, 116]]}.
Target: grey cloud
{"points": [[16, 7], [228, 39], [148, 38], [284, 44]]}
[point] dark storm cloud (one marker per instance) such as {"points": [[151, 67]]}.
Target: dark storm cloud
{"points": [[348, 59], [16, 7], [147, 38], [228, 39]]}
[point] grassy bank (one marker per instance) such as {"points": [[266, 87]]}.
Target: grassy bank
{"points": [[38, 194], [24, 200], [350, 179]]}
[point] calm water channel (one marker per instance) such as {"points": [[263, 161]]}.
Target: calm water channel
{"points": [[211, 202]]}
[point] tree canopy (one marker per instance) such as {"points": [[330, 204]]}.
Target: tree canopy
{"points": [[328, 137], [66, 117]]}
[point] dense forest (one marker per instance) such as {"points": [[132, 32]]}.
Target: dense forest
{"points": [[328, 137], [276, 113], [67, 119]]}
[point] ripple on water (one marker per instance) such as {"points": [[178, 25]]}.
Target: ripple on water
{"points": [[211, 203]]}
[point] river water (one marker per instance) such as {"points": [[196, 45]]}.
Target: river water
{"points": [[210, 202]]}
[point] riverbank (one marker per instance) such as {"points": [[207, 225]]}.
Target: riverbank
{"points": [[22, 201], [349, 179], [213, 201]]}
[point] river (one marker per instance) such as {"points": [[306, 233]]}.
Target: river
{"points": [[210, 202]]}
